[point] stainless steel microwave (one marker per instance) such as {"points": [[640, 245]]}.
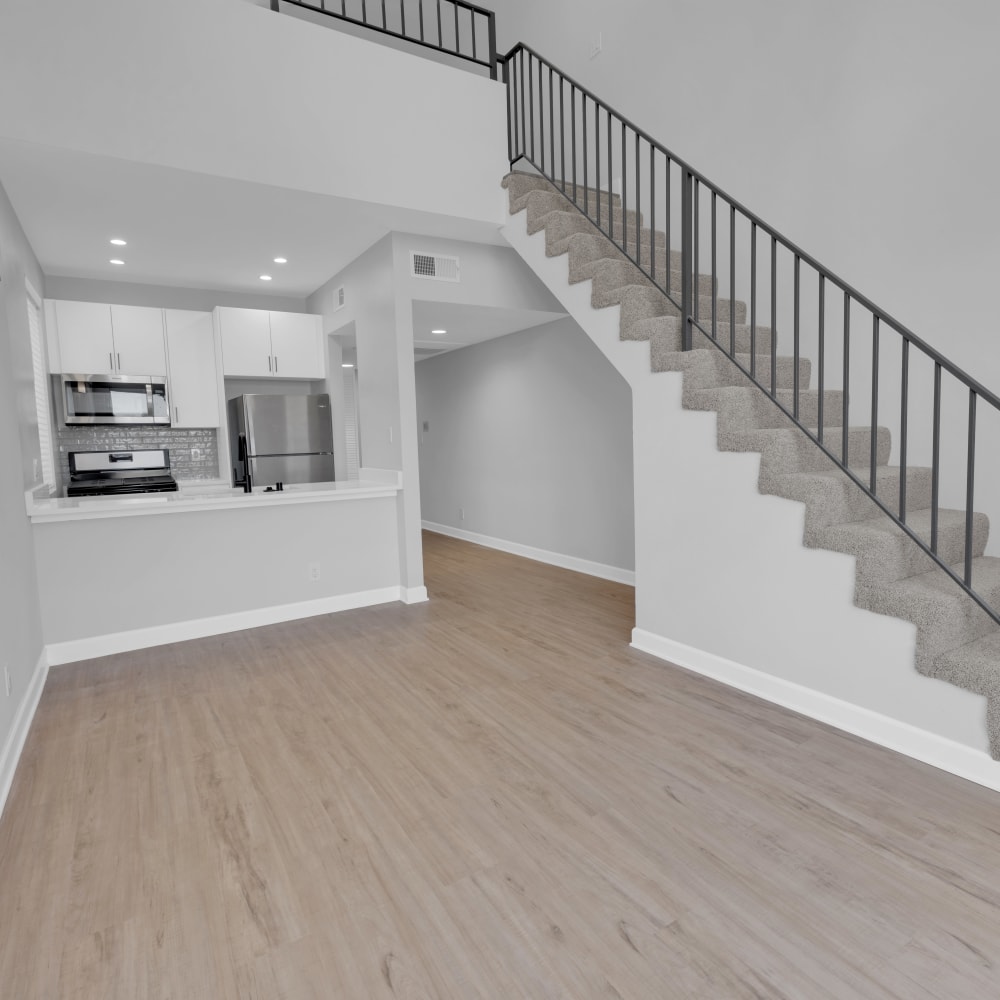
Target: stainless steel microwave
{"points": [[114, 399]]}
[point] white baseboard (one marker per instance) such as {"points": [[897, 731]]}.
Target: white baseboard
{"points": [[601, 570], [19, 731], [158, 635], [955, 758], [413, 595]]}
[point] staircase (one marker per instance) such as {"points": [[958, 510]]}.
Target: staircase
{"points": [[956, 640]]}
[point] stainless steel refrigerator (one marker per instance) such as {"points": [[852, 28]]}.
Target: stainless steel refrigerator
{"points": [[281, 439]]}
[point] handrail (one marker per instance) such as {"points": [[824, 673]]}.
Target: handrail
{"points": [[570, 136], [459, 29]]}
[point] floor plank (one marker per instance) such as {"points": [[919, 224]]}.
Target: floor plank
{"points": [[486, 796]]}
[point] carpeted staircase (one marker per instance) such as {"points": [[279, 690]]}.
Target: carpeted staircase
{"points": [[956, 640]]}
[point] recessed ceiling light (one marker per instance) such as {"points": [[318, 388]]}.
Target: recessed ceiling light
{"points": [[265, 277], [115, 260], [118, 243], [439, 332], [280, 260], [346, 365]]}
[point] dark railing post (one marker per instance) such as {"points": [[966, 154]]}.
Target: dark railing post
{"points": [[687, 257], [274, 6], [492, 25]]}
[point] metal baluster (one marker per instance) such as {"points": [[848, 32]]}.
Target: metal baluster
{"points": [[402, 17], [524, 117], [753, 300], [597, 161], [562, 131], [715, 283], [847, 378], [511, 111], [531, 102], [440, 39], [638, 202], [384, 22], [687, 182], [774, 319], [624, 240], [572, 114], [541, 112], [969, 487], [586, 158], [420, 9], [552, 126], [666, 225], [795, 339], [457, 46], [732, 279], [936, 457], [652, 211], [697, 250], [611, 182], [903, 430], [874, 429], [472, 28], [821, 361], [491, 30]]}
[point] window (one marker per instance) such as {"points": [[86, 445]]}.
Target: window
{"points": [[43, 407]]}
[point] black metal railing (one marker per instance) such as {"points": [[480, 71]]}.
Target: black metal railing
{"points": [[696, 239], [454, 27]]}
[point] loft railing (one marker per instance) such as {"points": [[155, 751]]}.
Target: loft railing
{"points": [[455, 27], [600, 161]]}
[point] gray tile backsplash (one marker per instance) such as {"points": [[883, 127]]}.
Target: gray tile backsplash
{"points": [[179, 442]]}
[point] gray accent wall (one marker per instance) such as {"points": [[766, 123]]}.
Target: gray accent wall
{"points": [[531, 435], [20, 618]]}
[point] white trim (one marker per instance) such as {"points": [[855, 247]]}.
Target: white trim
{"points": [[955, 758], [19, 731], [613, 573], [158, 635], [413, 595]]}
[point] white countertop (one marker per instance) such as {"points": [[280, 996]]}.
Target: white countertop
{"points": [[199, 496]]}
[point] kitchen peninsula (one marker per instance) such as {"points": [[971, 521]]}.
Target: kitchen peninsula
{"points": [[130, 572]]}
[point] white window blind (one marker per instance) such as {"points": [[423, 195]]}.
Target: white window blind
{"points": [[351, 423], [43, 407]]}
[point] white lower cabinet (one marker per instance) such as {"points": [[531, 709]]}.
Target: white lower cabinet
{"points": [[193, 374]]}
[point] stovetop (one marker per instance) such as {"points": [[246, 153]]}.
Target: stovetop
{"points": [[112, 473]]}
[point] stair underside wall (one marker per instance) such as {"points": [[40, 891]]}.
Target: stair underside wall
{"points": [[722, 576]]}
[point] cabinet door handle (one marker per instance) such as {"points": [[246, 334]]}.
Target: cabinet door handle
{"points": [[119, 361], [276, 364], [177, 415], [269, 368], [111, 362]]}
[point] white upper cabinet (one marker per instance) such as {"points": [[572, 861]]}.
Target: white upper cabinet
{"points": [[86, 345], [261, 344], [97, 339], [138, 335], [193, 375]]}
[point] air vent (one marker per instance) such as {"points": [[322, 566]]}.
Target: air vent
{"points": [[338, 299], [431, 265]]}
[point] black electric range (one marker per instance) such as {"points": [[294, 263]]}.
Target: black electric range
{"points": [[113, 473]]}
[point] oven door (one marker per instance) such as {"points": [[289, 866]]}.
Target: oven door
{"points": [[114, 399]]}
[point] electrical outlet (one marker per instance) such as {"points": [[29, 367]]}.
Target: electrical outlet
{"points": [[596, 46], [196, 454], [313, 572], [6, 680]]}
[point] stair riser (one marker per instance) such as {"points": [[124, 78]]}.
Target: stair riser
{"points": [[708, 368], [784, 451], [647, 303], [884, 558], [837, 500], [540, 204], [740, 409], [585, 265], [666, 330], [944, 621]]}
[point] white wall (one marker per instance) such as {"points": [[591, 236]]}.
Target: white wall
{"points": [[530, 434], [864, 130], [226, 88], [20, 620], [260, 559]]}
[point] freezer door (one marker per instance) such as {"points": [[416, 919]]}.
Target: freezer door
{"points": [[288, 425], [291, 469]]}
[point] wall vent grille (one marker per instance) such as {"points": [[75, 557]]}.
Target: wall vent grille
{"points": [[338, 299], [432, 265]]}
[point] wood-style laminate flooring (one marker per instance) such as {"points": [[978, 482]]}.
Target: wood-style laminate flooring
{"points": [[486, 796]]}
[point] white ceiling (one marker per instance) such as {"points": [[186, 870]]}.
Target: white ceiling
{"points": [[189, 230]]}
